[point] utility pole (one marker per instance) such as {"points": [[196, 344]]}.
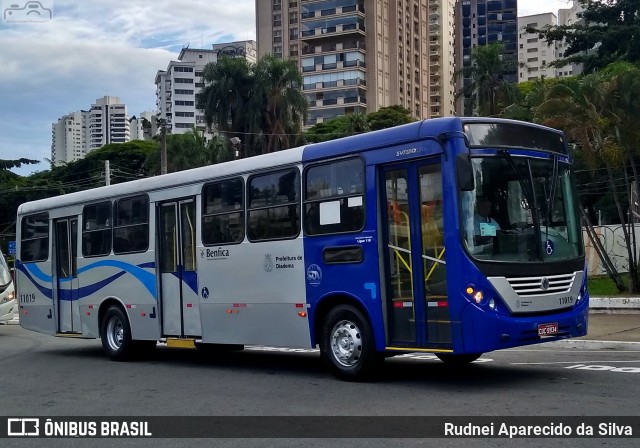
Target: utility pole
{"points": [[107, 173], [163, 147]]}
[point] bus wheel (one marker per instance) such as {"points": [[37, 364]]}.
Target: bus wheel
{"points": [[347, 344], [116, 334], [458, 360]]}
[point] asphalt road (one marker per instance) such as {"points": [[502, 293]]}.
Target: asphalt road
{"points": [[45, 376]]}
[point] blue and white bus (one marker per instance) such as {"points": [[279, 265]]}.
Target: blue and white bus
{"points": [[453, 236]]}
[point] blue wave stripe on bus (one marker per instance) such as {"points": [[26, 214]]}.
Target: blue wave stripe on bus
{"points": [[190, 278], [146, 278], [45, 291], [36, 272]]}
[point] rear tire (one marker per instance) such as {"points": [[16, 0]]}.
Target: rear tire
{"points": [[347, 344], [115, 333], [458, 360]]}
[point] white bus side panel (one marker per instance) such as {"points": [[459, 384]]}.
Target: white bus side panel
{"points": [[251, 293], [131, 280], [35, 297]]}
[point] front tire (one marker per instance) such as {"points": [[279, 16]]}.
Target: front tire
{"points": [[115, 333], [458, 360], [347, 344]]}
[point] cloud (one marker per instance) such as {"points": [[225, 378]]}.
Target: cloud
{"points": [[95, 48]]}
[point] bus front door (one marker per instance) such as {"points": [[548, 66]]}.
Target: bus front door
{"points": [[66, 276], [179, 288], [415, 265]]}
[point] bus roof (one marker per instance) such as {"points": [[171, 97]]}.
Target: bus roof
{"points": [[385, 137], [202, 174]]}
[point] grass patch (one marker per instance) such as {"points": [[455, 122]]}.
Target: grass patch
{"points": [[603, 286]]}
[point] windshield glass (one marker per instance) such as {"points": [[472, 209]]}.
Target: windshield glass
{"points": [[521, 210], [5, 275]]}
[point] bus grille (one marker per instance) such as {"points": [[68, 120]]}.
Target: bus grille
{"points": [[534, 286]]}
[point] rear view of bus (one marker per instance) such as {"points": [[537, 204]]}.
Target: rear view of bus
{"points": [[522, 239], [7, 292]]}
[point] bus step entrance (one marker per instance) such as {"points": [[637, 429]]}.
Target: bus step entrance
{"points": [[181, 343]]}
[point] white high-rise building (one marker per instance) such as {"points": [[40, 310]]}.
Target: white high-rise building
{"points": [[178, 85], [534, 55], [68, 139], [78, 133], [568, 16], [108, 122]]}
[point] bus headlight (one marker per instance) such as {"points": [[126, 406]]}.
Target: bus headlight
{"points": [[492, 304], [477, 295]]}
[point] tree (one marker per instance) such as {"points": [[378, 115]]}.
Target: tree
{"points": [[277, 102], [488, 91], [609, 31], [389, 116], [327, 130], [598, 112], [357, 123], [531, 95], [225, 98]]}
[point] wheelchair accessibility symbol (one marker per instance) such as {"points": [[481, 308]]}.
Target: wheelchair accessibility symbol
{"points": [[548, 247]]}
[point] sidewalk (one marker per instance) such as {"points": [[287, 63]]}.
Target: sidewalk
{"points": [[614, 324]]}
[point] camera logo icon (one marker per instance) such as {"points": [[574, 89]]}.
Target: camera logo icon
{"points": [[30, 11]]}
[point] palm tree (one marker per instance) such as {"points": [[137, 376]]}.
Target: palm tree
{"points": [[225, 97], [357, 123], [488, 88], [278, 105], [598, 112]]}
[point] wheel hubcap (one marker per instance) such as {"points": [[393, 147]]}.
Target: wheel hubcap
{"points": [[346, 343], [115, 333]]}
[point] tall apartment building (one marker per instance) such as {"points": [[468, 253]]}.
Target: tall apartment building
{"points": [[69, 137], [108, 123], [482, 22], [78, 133], [568, 16], [177, 86], [361, 55], [534, 54]]}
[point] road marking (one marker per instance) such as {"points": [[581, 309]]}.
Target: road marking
{"points": [[562, 362], [598, 368]]}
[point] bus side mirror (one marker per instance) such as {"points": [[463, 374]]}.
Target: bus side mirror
{"points": [[465, 173]]}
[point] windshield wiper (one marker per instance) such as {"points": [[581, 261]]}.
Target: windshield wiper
{"points": [[527, 190], [552, 193]]}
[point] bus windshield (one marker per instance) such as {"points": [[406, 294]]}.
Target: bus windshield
{"points": [[5, 274], [522, 210]]}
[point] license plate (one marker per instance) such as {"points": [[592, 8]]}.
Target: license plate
{"points": [[547, 329]]}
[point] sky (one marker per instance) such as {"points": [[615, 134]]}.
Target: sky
{"points": [[92, 48]]}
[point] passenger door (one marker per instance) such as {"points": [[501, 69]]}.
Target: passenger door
{"points": [[66, 277], [415, 266], [178, 269]]}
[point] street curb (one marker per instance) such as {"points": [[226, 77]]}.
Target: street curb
{"points": [[614, 305]]}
